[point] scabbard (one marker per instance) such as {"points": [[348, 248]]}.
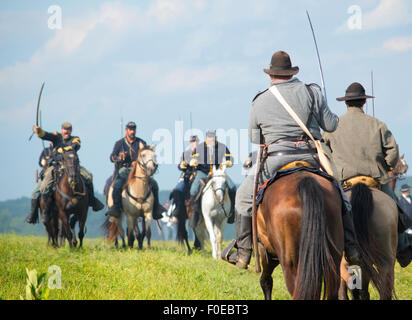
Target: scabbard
{"points": [[254, 209]]}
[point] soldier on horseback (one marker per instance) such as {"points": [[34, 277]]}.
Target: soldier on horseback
{"points": [[124, 152], [62, 142], [270, 124], [363, 146], [208, 154]]}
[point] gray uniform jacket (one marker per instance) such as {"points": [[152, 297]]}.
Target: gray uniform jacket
{"points": [[362, 145], [270, 121]]}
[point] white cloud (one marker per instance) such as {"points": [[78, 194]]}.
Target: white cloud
{"points": [[400, 44]]}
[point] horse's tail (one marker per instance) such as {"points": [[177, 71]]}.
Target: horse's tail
{"points": [[111, 231], [316, 265], [362, 210]]}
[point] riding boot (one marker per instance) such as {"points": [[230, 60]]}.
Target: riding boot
{"points": [[95, 203], [350, 240], [243, 243], [115, 209], [33, 216], [232, 197], [195, 205], [48, 202], [195, 212], [158, 209]]}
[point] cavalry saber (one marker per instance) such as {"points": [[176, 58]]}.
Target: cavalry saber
{"points": [[319, 63], [373, 99], [37, 110]]}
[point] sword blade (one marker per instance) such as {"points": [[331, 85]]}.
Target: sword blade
{"points": [[319, 63], [38, 104]]}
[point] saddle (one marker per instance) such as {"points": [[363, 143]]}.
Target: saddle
{"points": [[290, 168], [368, 181]]}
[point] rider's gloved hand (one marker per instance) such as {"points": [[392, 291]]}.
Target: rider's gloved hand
{"points": [[39, 131], [193, 163], [227, 163], [60, 150], [183, 165]]}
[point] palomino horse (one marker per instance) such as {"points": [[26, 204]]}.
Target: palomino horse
{"points": [[71, 198], [137, 201], [376, 223], [215, 211], [299, 223]]}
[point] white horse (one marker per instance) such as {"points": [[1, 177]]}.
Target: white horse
{"points": [[215, 211]]}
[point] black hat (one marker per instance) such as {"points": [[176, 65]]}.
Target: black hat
{"points": [[280, 65], [405, 188], [354, 92], [131, 125], [194, 138], [67, 125]]}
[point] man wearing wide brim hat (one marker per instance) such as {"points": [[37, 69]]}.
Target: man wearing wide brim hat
{"points": [[271, 124], [62, 142], [363, 146]]}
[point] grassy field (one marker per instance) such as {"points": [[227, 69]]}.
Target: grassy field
{"points": [[164, 272]]}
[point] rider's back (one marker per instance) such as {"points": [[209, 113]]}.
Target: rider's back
{"points": [[362, 145]]}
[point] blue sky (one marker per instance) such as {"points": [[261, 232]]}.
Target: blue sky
{"points": [[155, 62]]}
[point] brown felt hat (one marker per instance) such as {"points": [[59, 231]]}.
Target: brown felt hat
{"points": [[354, 92], [280, 65]]}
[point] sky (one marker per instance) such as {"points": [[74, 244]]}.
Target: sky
{"points": [[163, 63]]}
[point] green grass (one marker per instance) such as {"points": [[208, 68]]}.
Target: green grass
{"points": [[164, 272]]}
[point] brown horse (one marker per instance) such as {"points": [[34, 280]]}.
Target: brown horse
{"points": [[300, 226], [71, 199]]}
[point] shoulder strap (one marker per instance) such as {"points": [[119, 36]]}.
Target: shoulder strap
{"points": [[292, 113]]}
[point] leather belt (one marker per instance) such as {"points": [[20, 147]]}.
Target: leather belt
{"points": [[290, 152]]}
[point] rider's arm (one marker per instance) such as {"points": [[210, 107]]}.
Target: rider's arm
{"points": [[114, 156], [326, 119], [389, 147]]}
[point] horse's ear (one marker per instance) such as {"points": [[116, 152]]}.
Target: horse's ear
{"points": [[152, 147], [402, 156]]}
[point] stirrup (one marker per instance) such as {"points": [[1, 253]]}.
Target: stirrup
{"points": [[226, 252]]}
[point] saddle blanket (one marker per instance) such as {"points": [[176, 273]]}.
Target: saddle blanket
{"points": [[282, 173]]}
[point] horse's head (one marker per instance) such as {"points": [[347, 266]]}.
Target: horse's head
{"points": [[72, 166], [146, 159], [218, 182]]}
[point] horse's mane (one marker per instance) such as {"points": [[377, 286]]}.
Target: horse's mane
{"points": [[132, 173]]}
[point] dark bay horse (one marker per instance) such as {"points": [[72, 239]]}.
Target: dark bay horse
{"points": [[300, 226], [178, 210], [71, 198]]}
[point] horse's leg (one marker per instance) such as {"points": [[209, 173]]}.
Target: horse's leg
{"points": [[82, 223], [268, 265], [148, 231], [212, 237], [387, 276], [119, 224], [218, 229], [130, 230], [65, 227], [73, 221]]}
